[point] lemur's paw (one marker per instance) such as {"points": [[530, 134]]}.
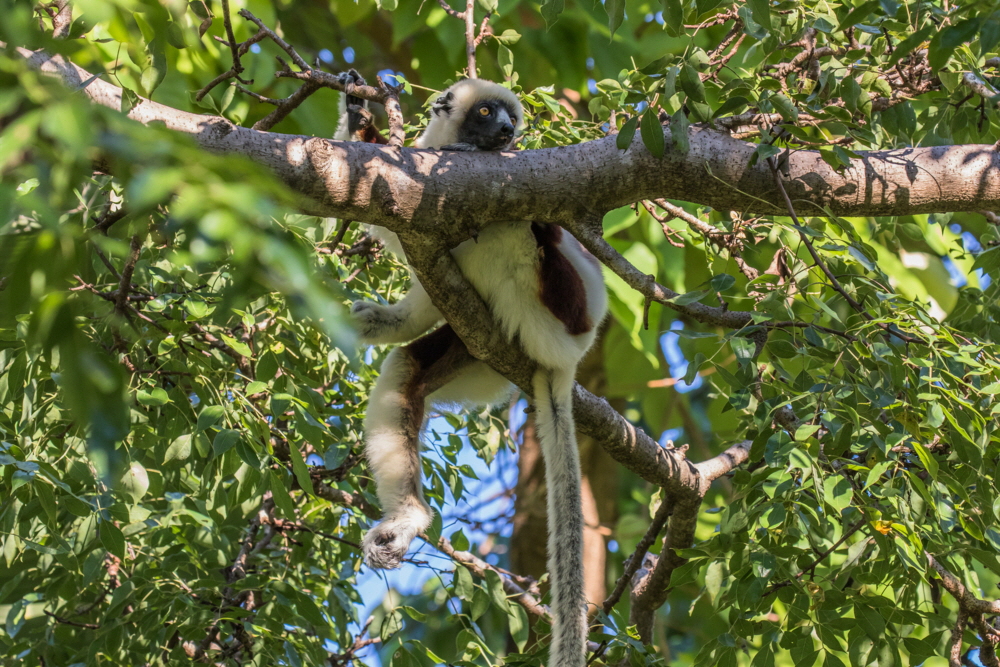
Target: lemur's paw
{"points": [[385, 545], [372, 320], [359, 307], [350, 76]]}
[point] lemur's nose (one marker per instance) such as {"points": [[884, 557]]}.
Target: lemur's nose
{"points": [[507, 130]]}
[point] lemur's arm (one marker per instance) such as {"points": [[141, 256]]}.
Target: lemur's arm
{"points": [[356, 122]]}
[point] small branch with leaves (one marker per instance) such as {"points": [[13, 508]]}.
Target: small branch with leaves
{"points": [[472, 40]]}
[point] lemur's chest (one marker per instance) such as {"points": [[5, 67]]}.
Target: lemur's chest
{"points": [[519, 265]]}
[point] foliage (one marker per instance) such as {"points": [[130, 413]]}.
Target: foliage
{"points": [[181, 400]]}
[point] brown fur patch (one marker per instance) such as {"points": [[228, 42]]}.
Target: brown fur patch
{"points": [[437, 357], [560, 287]]}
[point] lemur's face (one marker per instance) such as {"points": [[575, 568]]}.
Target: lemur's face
{"points": [[488, 125]]}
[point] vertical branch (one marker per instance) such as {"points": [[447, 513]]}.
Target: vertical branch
{"points": [[61, 14], [470, 37], [471, 40], [233, 46], [125, 281], [393, 112]]}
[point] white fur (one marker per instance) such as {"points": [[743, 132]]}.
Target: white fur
{"points": [[502, 264], [406, 514], [557, 435], [343, 132]]}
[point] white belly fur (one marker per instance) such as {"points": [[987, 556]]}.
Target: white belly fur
{"points": [[502, 265]]}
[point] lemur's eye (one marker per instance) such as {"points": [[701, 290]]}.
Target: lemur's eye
{"points": [[484, 111]]}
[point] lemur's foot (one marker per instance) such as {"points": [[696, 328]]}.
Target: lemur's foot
{"points": [[385, 545], [374, 320]]}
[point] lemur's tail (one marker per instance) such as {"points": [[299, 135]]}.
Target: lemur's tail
{"points": [[557, 435]]}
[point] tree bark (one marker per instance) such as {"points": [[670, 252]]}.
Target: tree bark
{"points": [[456, 193]]}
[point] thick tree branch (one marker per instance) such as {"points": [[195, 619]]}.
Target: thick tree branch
{"points": [[651, 588], [419, 189]]}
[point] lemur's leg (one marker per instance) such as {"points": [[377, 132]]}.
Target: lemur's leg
{"points": [[392, 439], [402, 321]]}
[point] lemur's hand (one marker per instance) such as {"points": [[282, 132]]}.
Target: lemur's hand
{"points": [[352, 77]]}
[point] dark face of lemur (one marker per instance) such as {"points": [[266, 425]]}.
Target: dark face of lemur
{"points": [[488, 125]]}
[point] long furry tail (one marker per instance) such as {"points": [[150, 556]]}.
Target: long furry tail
{"points": [[557, 435]]}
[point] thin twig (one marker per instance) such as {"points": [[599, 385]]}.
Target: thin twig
{"points": [[66, 621], [451, 10], [635, 560], [285, 46], [819, 559], [228, 23], [825, 269], [286, 106], [125, 281]]}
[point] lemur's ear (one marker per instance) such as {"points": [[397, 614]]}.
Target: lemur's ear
{"points": [[443, 104]]}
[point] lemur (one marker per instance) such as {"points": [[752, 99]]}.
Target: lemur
{"points": [[546, 291]]}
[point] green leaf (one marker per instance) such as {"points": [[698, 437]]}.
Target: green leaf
{"points": [[679, 132], [691, 83], [616, 14], [417, 616], [300, 470], [129, 100], [905, 47], [112, 539], [279, 492], [805, 431], [462, 581], [670, 82], [944, 43], [761, 11], [156, 70], [506, 59], [247, 453], [240, 347], [935, 415], [519, 626], [508, 37], [785, 107], [179, 449], [722, 282], [154, 398], [652, 133], [838, 493], [391, 624], [255, 387], [870, 620], [480, 603], [690, 297], [209, 417], [224, 441], [135, 482], [673, 17], [627, 133], [551, 9], [927, 459], [497, 593]]}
